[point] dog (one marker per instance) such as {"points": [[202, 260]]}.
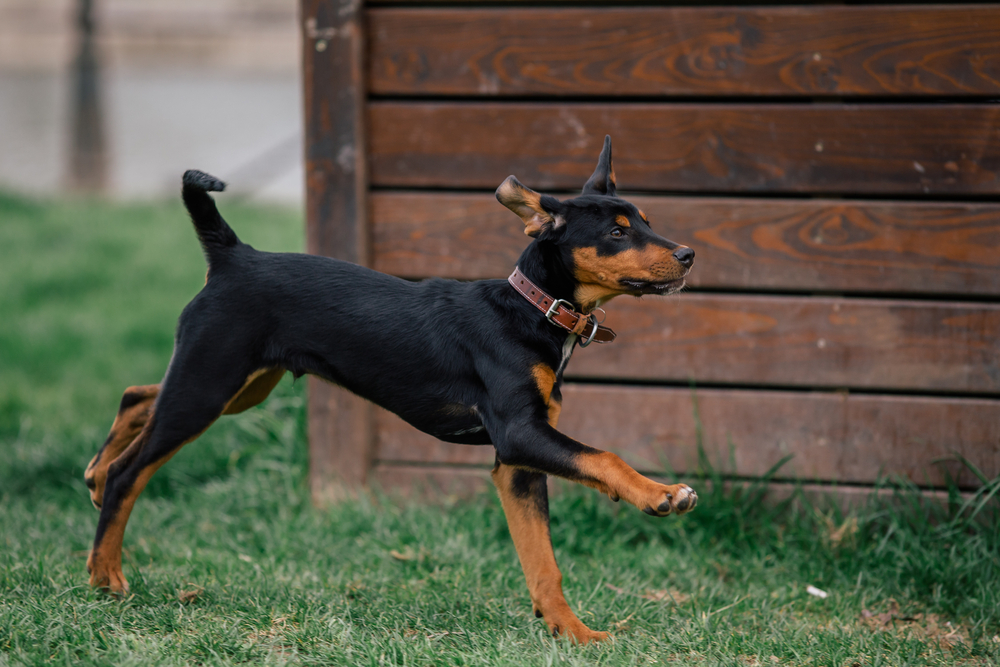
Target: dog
{"points": [[475, 363]]}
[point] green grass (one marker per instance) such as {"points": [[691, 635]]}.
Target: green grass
{"points": [[230, 563]]}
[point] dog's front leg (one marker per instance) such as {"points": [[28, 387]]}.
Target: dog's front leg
{"points": [[535, 445], [526, 503]]}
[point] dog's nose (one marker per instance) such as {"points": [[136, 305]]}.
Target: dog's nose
{"points": [[685, 256]]}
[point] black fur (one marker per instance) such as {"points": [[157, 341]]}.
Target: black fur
{"points": [[213, 232], [457, 360]]}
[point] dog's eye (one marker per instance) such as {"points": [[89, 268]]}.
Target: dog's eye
{"points": [[616, 232]]}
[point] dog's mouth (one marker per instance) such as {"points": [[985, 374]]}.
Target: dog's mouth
{"points": [[638, 287]]}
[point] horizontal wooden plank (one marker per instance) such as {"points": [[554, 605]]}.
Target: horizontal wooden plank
{"points": [[812, 50], [450, 484], [430, 482], [790, 244], [806, 342], [821, 148], [837, 437]]}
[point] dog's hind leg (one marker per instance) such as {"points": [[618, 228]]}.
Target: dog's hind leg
{"points": [[525, 501], [137, 407], [135, 410], [187, 405]]}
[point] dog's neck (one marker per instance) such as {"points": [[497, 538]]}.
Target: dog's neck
{"points": [[544, 264]]}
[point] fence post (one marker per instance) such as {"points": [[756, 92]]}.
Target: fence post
{"points": [[341, 433]]}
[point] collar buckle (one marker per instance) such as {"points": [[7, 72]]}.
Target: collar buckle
{"points": [[577, 322], [554, 308]]}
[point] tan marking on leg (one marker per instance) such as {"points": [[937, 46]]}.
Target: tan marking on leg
{"points": [[530, 532], [105, 561], [257, 387], [609, 474], [127, 425]]}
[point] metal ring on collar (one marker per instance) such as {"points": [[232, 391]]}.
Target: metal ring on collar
{"points": [[593, 332]]}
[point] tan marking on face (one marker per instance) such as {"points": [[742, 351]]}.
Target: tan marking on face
{"points": [[529, 529], [591, 296], [622, 221], [598, 278], [643, 215]]}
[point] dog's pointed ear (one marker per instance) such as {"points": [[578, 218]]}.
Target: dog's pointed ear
{"points": [[528, 205], [603, 180]]}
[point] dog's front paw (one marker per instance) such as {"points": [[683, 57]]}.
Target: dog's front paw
{"points": [[675, 499]]}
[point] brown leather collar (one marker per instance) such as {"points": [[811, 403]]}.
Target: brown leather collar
{"points": [[560, 311]]}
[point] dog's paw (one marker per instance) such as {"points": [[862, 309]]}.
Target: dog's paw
{"points": [[563, 622], [108, 579], [574, 630], [675, 499]]}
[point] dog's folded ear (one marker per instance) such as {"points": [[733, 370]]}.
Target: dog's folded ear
{"points": [[602, 182], [529, 206]]}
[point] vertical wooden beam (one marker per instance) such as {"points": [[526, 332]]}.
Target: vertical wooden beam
{"points": [[341, 431]]}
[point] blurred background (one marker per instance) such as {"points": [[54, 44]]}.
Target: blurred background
{"points": [[119, 97], [836, 167]]}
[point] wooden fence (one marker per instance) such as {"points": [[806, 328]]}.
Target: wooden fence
{"points": [[836, 168]]}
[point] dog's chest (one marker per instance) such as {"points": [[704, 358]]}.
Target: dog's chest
{"points": [[567, 352]]}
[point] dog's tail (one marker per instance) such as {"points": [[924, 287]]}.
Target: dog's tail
{"points": [[215, 235]]}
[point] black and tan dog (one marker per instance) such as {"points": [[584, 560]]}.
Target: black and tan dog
{"points": [[475, 363]]}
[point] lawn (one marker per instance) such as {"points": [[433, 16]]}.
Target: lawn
{"points": [[230, 563]]}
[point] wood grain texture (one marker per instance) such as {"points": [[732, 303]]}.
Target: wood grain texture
{"points": [[447, 484], [340, 423], [818, 50], [336, 166], [873, 344], [819, 148], [791, 244], [341, 441], [440, 483], [832, 436]]}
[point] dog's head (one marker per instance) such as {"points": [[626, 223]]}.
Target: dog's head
{"points": [[605, 241]]}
